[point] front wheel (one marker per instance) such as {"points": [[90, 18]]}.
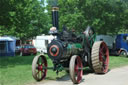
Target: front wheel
{"points": [[123, 53], [76, 69], [39, 66]]}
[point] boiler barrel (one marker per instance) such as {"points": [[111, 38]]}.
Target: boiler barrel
{"points": [[58, 50]]}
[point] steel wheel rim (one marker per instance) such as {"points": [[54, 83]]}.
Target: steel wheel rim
{"points": [[41, 68], [104, 57], [78, 69]]}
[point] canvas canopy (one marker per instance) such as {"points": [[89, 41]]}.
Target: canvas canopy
{"points": [[7, 46]]}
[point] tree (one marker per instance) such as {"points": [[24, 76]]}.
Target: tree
{"points": [[23, 18], [106, 16]]}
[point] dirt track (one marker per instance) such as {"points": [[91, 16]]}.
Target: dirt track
{"points": [[118, 76]]}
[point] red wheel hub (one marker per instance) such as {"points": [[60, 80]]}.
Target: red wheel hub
{"points": [[41, 64], [40, 67]]}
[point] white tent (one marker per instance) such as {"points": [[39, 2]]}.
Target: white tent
{"points": [[7, 46], [41, 42]]}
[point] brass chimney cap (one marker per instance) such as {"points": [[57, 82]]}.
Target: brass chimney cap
{"points": [[55, 8]]}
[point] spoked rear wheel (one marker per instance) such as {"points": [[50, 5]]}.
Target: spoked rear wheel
{"points": [[76, 69], [100, 57], [39, 66]]}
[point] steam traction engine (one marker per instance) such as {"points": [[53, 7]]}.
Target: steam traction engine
{"points": [[72, 52]]}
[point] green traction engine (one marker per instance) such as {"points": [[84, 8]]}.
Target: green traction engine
{"points": [[72, 53]]}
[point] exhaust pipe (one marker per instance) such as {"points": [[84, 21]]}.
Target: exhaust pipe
{"points": [[55, 19]]}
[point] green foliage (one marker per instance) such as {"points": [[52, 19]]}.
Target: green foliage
{"points": [[106, 16], [22, 18], [27, 18]]}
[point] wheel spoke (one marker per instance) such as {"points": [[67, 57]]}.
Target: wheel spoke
{"points": [[78, 76], [76, 68], [101, 49], [102, 52], [37, 73], [104, 58], [42, 72], [100, 57], [104, 65]]}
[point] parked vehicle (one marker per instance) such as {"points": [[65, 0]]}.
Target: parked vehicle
{"points": [[17, 49], [118, 45], [109, 40], [26, 50], [121, 45]]}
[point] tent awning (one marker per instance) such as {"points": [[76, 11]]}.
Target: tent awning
{"points": [[6, 39]]}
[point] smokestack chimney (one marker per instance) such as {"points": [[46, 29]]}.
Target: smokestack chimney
{"points": [[55, 19]]}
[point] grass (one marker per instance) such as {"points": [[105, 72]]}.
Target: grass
{"points": [[17, 70], [117, 61]]}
